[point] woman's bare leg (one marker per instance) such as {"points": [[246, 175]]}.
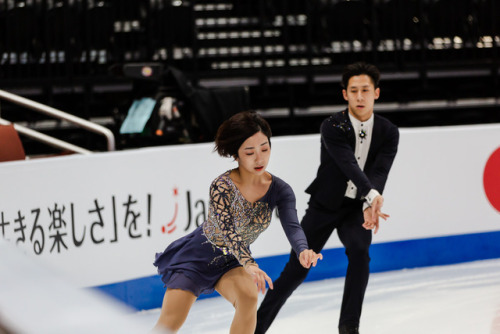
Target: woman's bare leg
{"points": [[175, 309], [239, 289]]}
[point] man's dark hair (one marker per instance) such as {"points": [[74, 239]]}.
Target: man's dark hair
{"points": [[234, 131], [359, 69]]}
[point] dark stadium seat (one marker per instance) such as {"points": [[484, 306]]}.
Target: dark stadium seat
{"points": [[403, 31], [451, 18], [349, 20], [488, 12]]}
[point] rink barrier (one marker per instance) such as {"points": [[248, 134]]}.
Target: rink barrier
{"points": [[147, 293], [99, 219]]}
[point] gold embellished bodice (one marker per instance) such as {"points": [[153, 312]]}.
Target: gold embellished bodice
{"points": [[233, 222]]}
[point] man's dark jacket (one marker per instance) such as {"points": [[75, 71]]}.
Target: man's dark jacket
{"points": [[338, 163]]}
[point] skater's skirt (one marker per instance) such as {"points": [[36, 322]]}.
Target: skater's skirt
{"points": [[192, 263]]}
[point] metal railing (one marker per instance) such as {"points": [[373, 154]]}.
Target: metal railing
{"points": [[33, 105]]}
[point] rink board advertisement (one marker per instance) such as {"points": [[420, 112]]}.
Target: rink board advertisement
{"points": [[99, 219]]}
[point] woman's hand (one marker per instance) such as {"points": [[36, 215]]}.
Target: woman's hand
{"points": [[309, 258], [259, 277]]}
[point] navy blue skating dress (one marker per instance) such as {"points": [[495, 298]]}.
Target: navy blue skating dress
{"points": [[198, 260]]}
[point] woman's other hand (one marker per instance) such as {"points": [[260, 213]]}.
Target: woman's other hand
{"points": [[259, 277], [309, 258]]}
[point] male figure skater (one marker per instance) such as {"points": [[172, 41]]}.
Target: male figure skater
{"points": [[357, 151]]}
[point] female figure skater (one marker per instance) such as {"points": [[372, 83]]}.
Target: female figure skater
{"points": [[216, 255]]}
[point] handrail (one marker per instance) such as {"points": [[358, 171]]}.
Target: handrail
{"points": [[45, 139], [33, 105]]}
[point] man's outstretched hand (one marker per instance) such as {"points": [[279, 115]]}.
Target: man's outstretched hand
{"points": [[373, 213]]}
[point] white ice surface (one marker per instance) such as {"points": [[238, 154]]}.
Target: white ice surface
{"points": [[453, 299]]}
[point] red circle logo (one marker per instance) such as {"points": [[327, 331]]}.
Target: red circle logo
{"points": [[491, 179]]}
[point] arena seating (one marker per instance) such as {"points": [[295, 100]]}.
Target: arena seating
{"points": [[439, 58]]}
